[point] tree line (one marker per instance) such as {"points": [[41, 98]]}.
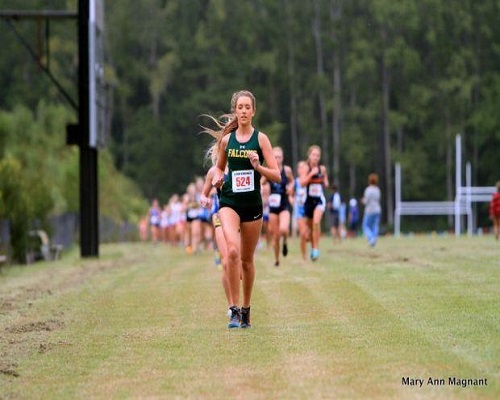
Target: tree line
{"points": [[373, 82]]}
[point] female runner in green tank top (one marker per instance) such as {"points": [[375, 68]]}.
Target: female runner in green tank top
{"points": [[243, 149]]}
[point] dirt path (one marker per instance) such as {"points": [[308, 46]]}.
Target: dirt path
{"points": [[23, 329]]}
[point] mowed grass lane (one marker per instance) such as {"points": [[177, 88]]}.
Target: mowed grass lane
{"points": [[148, 321]]}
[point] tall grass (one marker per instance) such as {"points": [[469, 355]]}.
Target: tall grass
{"points": [[149, 321]]}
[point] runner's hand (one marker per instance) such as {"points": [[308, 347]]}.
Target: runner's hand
{"points": [[254, 159], [205, 201], [218, 178]]}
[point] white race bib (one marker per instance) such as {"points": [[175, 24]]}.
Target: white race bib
{"points": [[315, 190], [243, 181], [301, 196], [275, 200], [193, 213]]}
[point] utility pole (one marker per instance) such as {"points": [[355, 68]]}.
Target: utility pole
{"points": [[89, 185], [86, 134]]}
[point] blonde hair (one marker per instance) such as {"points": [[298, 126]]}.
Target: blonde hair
{"points": [[224, 124], [313, 147]]}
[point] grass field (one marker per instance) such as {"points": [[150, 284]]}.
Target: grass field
{"points": [[148, 321]]}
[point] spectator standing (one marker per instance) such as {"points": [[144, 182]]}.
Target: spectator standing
{"points": [[334, 208], [353, 218], [373, 210]]}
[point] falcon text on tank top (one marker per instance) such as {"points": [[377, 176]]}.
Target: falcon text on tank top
{"points": [[242, 184]]}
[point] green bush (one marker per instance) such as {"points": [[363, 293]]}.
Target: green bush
{"points": [[39, 174], [16, 206]]}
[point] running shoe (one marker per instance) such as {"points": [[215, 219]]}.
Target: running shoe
{"points": [[217, 258], [314, 254], [276, 263], [234, 318], [245, 318], [285, 249]]}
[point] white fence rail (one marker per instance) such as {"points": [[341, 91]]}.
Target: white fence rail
{"points": [[464, 197]]}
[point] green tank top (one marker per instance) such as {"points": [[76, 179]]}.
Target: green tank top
{"points": [[242, 184]]}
